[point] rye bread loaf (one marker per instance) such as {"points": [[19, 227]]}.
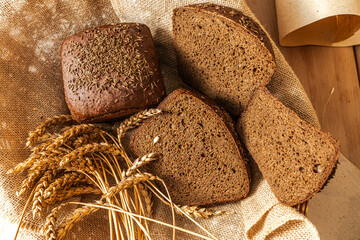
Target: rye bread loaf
{"points": [[222, 53], [295, 158], [110, 72], [202, 161]]}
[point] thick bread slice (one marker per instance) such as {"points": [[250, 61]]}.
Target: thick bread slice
{"points": [[222, 53], [202, 161], [295, 158]]}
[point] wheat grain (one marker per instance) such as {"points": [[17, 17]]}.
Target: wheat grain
{"points": [[129, 182], [39, 190], [140, 162], [136, 120], [74, 218], [40, 130], [64, 182]]}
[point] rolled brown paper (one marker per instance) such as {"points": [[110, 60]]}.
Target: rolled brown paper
{"points": [[318, 22]]}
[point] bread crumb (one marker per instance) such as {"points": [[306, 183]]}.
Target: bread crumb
{"points": [[35, 109]]}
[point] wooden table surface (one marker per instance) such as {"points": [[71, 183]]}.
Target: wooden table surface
{"points": [[321, 69]]}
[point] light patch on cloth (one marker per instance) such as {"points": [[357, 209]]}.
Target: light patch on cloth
{"points": [[64, 24], [4, 144], [17, 4], [15, 32], [44, 47], [5, 53], [32, 69]]}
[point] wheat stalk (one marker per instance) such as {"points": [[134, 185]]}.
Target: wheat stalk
{"points": [[40, 130], [84, 150]]}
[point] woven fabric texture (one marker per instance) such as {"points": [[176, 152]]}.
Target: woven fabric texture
{"points": [[31, 90]]}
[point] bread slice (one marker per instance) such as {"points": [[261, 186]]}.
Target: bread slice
{"points": [[222, 53], [295, 158], [202, 161]]}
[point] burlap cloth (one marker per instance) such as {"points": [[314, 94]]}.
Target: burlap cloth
{"points": [[31, 90]]}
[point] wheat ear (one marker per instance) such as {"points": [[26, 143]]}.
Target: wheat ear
{"points": [[64, 182], [26, 164], [129, 182], [61, 195], [146, 193], [136, 120], [39, 190], [69, 222], [81, 164], [140, 162], [30, 180], [89, 148], [73, 131], [86, 139], [40, 130], [49, 228], [200, 212]]}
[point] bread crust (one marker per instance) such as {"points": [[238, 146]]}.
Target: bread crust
{"points": [[226, 120], [111, 103]]}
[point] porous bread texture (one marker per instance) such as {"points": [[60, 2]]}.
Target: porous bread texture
{"points": [[222, 53], [295, 158], [201, 161]]}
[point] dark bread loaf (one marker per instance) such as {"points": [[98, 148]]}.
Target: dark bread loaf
{"points": [[222, 53], [295, 158], [202, 161], [111, 72]]}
